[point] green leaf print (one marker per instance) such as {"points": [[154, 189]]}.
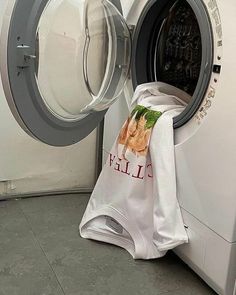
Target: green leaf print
{"points": [[139, 111], [150, 116]]}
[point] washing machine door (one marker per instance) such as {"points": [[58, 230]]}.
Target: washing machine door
{"points": [[64, 63]]}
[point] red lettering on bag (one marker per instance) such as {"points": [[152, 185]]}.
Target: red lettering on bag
{"points": [[111, 159], [126, 169], [117, 166], [124, 166], [150, 174], [138, 176]]}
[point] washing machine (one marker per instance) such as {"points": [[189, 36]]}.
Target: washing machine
{"points": [[99, 51]]}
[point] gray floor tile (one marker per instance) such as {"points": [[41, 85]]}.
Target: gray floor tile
{"points": [[33, 205], [196, 290], [24, 269], [87, 268]]}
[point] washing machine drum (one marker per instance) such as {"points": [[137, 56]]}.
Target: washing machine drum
{"points": [[173, 43], [66, 62], [177, 46]]}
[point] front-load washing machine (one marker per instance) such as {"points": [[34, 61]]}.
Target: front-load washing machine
{"points": [[64, 62]]}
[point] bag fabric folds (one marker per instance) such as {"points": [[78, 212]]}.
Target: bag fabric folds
{"points": [[134, 204]]}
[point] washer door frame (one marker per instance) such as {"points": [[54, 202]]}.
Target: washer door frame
{"points": [[18, 40], [140, 48]]}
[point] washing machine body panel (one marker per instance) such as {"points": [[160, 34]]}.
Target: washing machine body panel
{"points": [[205, 146], [206, 159], [206, 152]]}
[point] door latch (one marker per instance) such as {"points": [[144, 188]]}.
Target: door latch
{"points": [[24, 56]]}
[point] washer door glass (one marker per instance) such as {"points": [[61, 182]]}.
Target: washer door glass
{"points": [[82, 58], [71, 64]]}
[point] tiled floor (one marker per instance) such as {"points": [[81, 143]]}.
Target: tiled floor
{"points": [[41, 253]]}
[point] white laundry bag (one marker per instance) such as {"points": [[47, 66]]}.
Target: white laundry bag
{"points": [[134, 204]]}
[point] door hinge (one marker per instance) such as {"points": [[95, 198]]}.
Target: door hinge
{"points": [[24, 56]]}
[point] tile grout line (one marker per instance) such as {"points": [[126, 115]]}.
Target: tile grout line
{"points": [[39, 245]]}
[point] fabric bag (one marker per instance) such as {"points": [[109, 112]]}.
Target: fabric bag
{"points": [[134, 203]]}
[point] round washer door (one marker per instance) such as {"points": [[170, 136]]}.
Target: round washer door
{"points": [[64, 63]]}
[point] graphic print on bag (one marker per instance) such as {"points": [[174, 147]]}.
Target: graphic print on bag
{"points": [[130, 155], [136, 132]]}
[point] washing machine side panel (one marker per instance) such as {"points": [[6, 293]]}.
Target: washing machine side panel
{"points": [[206, 175], [209, 255], [206, 161]]}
